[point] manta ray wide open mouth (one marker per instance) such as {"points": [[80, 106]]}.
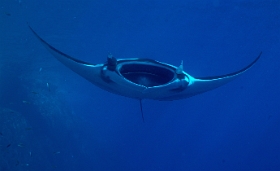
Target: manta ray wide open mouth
{"points": [[148, 75]]}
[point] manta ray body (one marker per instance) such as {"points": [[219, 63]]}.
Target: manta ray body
{"points": [[141, 78]]}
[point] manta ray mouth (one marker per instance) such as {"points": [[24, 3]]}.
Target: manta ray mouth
{"points": [[148, 75]]}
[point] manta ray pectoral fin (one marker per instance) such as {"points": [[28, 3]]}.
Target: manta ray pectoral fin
{"points": [[89, 71], [200, 85], [62, 57]]}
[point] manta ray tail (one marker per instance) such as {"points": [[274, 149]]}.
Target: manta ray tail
{"points": [[141, 110]]}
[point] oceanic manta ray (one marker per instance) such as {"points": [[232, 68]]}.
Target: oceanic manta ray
{"points": [[143, 78]]}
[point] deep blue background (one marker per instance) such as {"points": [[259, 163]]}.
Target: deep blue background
{"points": [[77, 126]]}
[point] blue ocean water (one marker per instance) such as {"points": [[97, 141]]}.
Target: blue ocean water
{"points": [[53, 119]]}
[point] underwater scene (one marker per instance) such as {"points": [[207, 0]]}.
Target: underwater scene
{"points": [[140, 85]]}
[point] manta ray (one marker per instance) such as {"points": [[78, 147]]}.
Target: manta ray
{"points": [[142, 78]]}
